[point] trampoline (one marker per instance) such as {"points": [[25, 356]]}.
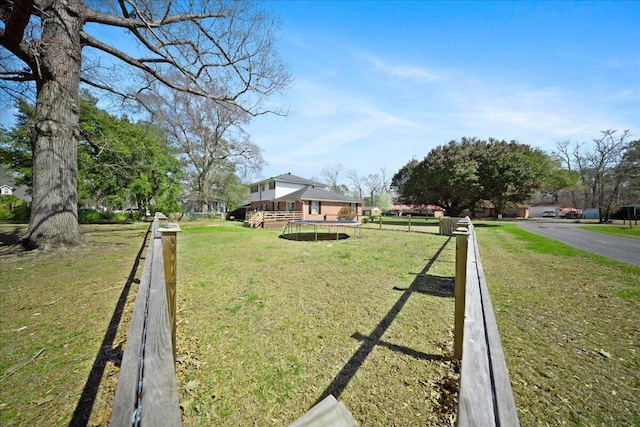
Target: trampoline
{"points": [[293, 229]]}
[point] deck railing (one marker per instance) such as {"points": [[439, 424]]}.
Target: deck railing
{"points": [[147, 391], [257, 219], [485, 397]]}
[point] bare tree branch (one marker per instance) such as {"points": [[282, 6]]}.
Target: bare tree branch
{"points": [[130, 23]]}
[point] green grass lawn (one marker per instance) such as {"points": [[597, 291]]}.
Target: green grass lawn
{"points": [[54, 311], [280, 323], [267, 326], [569, 327], [615, 229]]}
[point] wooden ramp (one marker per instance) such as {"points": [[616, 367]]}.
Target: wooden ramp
{"points": [[328, 413]]}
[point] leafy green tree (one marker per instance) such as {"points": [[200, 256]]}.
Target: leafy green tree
{"points": [[509, 172], [234, 192], [15, 144], [385, 202], [558, 180], [123, 161], [630, 187], [119, 161], [459, 175], [446, 177]]}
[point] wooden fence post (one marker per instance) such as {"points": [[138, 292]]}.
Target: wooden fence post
{"points": [[462, 240], [169, 234]]}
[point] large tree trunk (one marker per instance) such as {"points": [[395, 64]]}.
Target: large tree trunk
{"points": [[54, 138]]}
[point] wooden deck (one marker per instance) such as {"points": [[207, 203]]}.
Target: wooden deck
{"points": [[270, 219]]}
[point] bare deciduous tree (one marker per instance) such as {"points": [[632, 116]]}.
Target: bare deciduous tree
{"points": [[332, 174], [53, 46], [209, 138], [600, 168]]}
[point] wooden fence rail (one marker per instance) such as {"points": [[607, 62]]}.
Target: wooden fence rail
{"points": [[447, 225], [485, 397], [147, 391]]}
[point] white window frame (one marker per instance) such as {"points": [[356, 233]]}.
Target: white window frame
{"points": [[315, 207]]}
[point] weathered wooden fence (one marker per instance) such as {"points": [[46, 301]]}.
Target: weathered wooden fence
{"points": [[147, 392], [485, 395], [447, 225]]}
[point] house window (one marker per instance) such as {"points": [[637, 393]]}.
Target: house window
{"points": [[291, 206], [315, 207], [264, 187], [254, 189], [272, 185]]}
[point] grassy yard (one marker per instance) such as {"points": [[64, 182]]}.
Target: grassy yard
{"points": [[55, 309], [269, 326], [570, 328], [615, 229], [280, 324]]}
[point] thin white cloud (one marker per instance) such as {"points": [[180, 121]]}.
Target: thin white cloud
{"points": [[419, 73]]}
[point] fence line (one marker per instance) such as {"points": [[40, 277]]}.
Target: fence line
{"points": [[485, 396], [147, 391], [447, 225]]}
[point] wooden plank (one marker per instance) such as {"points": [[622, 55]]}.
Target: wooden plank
{"points": [[505, 402], [328, 413], [462, 245], [159, 392], [475, 401], [160, 404], [169, 251], [485, 395], [124, 403]]}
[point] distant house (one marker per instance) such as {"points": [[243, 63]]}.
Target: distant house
{"points": [[371, 211], [429, 210], [291, 193], [9, 188]]}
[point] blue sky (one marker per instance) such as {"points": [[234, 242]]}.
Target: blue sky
{"points": [[377, 83], [380, 82]]}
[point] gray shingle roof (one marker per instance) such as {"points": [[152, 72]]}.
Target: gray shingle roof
{"points": [[20, 191], [315, 193]]}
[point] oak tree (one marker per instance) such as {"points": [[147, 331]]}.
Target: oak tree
{"points": [[55, 45]]}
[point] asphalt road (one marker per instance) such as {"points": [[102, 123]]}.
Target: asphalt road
{"points": [[625, 249]]}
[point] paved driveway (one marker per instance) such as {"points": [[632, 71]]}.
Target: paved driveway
{"points": [[625, 249]]}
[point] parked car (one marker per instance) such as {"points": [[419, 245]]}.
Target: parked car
{"points": [[571, 215], [549, 214]]}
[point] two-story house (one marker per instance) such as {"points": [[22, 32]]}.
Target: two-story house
{"points": [[9, 188], [291, 193]]}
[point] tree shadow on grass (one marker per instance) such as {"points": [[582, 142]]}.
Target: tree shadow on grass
{"points": [[11, 240], [106, 353], [348, 371], [431, 285]]}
